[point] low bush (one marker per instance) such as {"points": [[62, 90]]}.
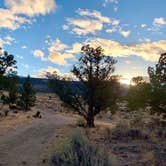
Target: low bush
{"points": [[123, 131], [80, 122], [77, 151]]}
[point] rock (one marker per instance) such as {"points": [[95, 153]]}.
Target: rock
{"points": [[37, 115]]}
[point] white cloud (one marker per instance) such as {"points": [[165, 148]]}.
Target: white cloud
{"points": [[91, 21], [43, 72], [106, 2], [159, 21], [93, 14], [58, 53], [65, 27], [10, 20], [57, 45], [115, 22], [125, 33], [143, 25], [16, 11], [24, 47], [39, 54], [31, 7], [111, 30], [59, 58], [148, 51], [76, 48], [7, 40], [145, 40], [128, 62], [85, 26]]}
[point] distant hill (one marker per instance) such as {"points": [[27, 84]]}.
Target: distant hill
{"points": [[40, 84]]}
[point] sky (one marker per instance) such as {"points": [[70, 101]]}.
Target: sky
{"points": [[47, 35]]}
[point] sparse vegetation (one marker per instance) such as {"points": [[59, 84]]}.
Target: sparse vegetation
{"points": [[96, 91], [27, 98], [150, 95], [77, 150]]}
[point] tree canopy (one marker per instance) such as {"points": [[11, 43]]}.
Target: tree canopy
{"points": [[96, 89]]}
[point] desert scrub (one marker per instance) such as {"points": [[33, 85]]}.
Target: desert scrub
{"points": [[123, 131], [80, 122], [77, 151]]}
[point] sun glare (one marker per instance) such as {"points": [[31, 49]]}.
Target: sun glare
{"points": [[125, 80]]}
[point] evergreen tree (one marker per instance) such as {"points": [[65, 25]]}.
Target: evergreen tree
{"points": [[96, 90], [28, 97], [8, 78], [151, 94]]}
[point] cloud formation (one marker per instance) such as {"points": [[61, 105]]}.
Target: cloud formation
{"points": [[94, 14], [125, 33], [7, 40], [57, 45], [43, 72], [39, 54], [18, 12], [159, 21], [91, 22], [31, 7], [60, 58], [10, 20], [148, 51], [85, 26]]}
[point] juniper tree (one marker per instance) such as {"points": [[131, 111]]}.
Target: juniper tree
{"points": [[96, 89], [8, 78], [152, 93], [157, 77], [28, 97]]}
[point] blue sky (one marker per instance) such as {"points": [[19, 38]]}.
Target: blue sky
{"points": [[46, 35]]}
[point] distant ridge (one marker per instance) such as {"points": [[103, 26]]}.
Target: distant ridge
{"points": [[40, 84]]}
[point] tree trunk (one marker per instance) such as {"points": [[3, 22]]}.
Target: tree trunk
{"points": [[90, 121]]}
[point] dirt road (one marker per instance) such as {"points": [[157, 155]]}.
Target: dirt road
{"points": [[25, 144]]}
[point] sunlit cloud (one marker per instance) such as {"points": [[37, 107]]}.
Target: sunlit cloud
{"points": [[125, 33], [40, 54], [148, 51], [91, 22], [7, 40], [10, 20], [51, 70], [59, 58], [31, 7], [159, 21], [94, 14], [57, 45], [18, 12], [85, 26]]}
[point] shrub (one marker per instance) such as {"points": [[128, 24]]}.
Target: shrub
{"points": [[80, 122], [77, 151], [123, 131]]}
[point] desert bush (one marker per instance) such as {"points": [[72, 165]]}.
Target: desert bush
{"points": [[77, 151], [80, 122], [107, 133], [137, 121], [123, 131], [6, 112]]}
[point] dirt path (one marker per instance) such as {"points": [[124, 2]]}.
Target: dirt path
{"points": [[25, 144]]}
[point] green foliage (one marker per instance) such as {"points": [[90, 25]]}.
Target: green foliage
{"points": [[28, 97], [157, 77], [96, 91], [152, 94], [7, 62], [8, 78], [77, 150], [138, 95]]}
